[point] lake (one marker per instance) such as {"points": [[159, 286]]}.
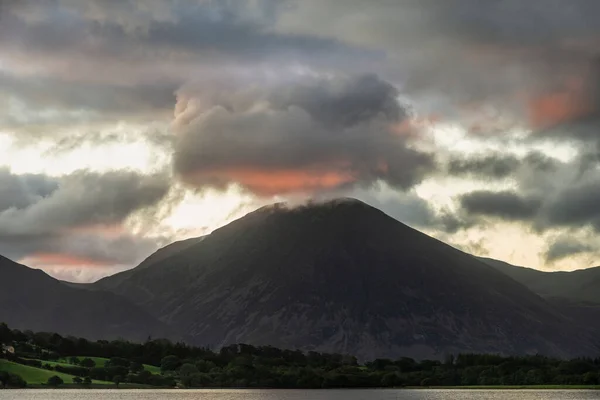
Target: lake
{"points": [[225, 394]]}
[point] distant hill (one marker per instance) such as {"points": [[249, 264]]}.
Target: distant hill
{"points": [[579, 286], [343, 277], [30, 299]]}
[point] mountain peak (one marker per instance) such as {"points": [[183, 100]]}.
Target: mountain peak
{"points": [[313, 205]]}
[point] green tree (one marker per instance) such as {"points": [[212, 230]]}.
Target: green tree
{"points": [[77, 380], [55, 381], [117, 379], [4, 378], [136, 367], [170, 363], [87, 381], [187, 372], [74, 360], [87, 363]]}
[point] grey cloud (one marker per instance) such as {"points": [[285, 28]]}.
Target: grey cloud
{"points": [[155, 137], [571, 204], [454, 55], [575, 206], [65, 216], [84, 199], [61, 95], [20, 191], [564, 247], [500, 165], [504, 204], [201, 33], [276, 130]]}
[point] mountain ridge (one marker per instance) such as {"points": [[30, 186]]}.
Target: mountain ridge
{"points": [[31, 299], [343, 276]]}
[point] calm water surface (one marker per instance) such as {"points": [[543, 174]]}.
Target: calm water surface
{"points": [[298, 394]]}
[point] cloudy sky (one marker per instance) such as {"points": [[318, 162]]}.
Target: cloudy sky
{"points": [[126, 125]]}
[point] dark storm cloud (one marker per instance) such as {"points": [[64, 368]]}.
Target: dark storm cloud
{"points": [[309, 135], [564, 247], [505, 204]]}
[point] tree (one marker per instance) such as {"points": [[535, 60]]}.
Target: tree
{"points": [[77, 380], [136, 367], [74, 360], [187, 372], [55, 381], [118, 362], [170, 363], [88, 363], [117, 379], [11, 380], [87, 381], [4, 377]]}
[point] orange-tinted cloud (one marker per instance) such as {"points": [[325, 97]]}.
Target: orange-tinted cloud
{"points": [[60, 260], [264, 182], [106, 230], [570, 102]]}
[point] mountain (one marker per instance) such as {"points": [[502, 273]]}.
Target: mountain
{"points": [[576, 286], [158, 256], [344, 277], [31, 299]]}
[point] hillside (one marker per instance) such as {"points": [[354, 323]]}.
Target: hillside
{"points": [[344, 277], [578, 286], [30, 299]]}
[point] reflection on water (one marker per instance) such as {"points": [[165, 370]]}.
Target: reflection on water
{"points": [[298, 394]]}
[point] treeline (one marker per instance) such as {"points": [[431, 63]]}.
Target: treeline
{"points": [[264, 366]]}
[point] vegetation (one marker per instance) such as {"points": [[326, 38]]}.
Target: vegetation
{"points": [[54, 360]]}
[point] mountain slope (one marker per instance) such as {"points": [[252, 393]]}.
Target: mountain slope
{"points": [[345, 277], [161, 254], [581, 285], [30, 299]]}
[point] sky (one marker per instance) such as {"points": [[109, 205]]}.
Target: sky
{"points": [[127, 125]]}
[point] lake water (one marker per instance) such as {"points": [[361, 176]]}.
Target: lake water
{"points": [[299, 394]]}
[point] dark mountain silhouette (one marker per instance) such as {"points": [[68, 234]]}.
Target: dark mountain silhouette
{"points": [[575, 286], [30, 299], [343, 276]]}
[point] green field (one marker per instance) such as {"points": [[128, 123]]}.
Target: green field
{"points": [[34, 376], [100, 362]]}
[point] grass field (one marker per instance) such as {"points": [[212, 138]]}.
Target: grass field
{"points": [[100, 362], [33, 375]]}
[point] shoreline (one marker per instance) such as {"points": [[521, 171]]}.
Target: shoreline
{"points": [[482, 387]]}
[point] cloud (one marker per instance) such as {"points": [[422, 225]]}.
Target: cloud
{"points": [[313, 134], [77, 217], [527, 61], [20, 191], [504, 204], [576, 205], [499, 165], [567, 205], [84, 199], [564, 247]]}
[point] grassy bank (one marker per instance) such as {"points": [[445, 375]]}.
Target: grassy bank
{"points": [[35, 376]]}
